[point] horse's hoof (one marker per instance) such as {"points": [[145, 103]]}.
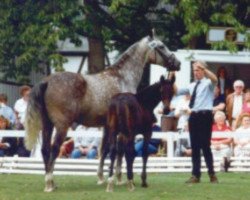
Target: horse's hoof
{"points": [[100, 181], [120, 182], [49, 189], [110, 187], [145, 185], [131, 185]]}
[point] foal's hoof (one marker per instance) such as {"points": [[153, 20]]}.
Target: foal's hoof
{"points": [[110, 186], [131, 185], [50, 189], [120, 182], [101, 181], [145, 185]]}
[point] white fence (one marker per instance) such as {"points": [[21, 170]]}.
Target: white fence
{"points": [[89, 167]]}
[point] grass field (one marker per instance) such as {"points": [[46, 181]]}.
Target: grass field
{"points": [[232, 186]]}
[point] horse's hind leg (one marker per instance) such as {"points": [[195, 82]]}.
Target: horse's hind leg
{"points": [[54, 151], [46, 151], [130, 155]]}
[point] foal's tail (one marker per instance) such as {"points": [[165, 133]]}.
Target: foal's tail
{"points": [[33, 120]]}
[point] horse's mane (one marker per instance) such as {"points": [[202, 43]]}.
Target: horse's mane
{"points": [[124, 56]]}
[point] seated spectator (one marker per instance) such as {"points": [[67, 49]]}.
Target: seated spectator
{"points": [[153, 146], [7, 144], [242, 144], [221, 147], [7, 111], [168, 120], [246, 103], [219, 100], [182, 112], [245, 107], [85, 146], [66, 148]]}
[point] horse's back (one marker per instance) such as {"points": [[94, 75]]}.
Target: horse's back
{"points": [[63, 96]]}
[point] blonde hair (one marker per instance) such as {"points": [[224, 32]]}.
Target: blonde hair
{"points": [[239, 121], [201, 62]]}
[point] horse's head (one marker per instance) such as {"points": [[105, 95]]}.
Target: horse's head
{"points": [[159, 54], [167, 92]]}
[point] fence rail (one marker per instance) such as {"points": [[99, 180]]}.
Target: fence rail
{"points": [[84, 166]]}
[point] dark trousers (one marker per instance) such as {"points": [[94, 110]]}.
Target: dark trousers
{"points": [[200, 128]]}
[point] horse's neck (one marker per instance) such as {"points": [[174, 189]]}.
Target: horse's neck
{"points": [[150, 96], [131, 68]]}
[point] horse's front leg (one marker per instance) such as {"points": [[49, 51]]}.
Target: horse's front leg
{"points": [[130, 156], [145, 160], [49, 168]]}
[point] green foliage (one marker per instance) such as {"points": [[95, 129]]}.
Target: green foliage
{"points": [[30, 29], [199, 15], [29, 32]]}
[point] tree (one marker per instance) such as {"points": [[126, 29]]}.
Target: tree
{"points": [[199, 15], [29, 32]]}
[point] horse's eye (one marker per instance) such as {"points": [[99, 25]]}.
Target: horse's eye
{"points": [[161, 47]]}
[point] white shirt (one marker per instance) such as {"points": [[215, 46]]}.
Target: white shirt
{"points": [[237, 105], [20, 107], [182, 105]]}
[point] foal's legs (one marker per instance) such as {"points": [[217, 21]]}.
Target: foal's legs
{"points": [[130, 156], [54, 151], [120, 153], [110, 186], [145, 159]]}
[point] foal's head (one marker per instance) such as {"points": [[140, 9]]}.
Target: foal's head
{"points": [[159, 54], [167, 92]]}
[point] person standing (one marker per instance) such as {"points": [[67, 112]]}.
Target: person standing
{"points": [[234, 103], [201, 119]]}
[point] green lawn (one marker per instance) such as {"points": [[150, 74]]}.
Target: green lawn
{"points": [[162, 186]]}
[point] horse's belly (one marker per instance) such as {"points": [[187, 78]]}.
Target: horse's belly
{"points": [[94, 120]]}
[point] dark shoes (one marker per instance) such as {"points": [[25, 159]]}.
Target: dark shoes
{"points": [[213, 179], [193, 179]]}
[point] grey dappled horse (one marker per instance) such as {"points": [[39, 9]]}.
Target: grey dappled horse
{"points": [[64, 98]]}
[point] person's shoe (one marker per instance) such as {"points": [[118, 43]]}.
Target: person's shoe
{"points": [[193, 179], [213, 179]]}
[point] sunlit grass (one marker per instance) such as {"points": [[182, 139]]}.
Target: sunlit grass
{"points": [[168, 186]]}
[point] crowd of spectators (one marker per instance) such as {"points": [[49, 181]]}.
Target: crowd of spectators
{"points": [[231, 110]]}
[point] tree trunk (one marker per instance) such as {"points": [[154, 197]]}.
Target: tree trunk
{"points": [[96, 56]]}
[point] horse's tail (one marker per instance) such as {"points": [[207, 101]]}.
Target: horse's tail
{"points": [[33, 119]]}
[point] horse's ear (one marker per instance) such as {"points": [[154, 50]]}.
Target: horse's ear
{"points": [[162, 79]]}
